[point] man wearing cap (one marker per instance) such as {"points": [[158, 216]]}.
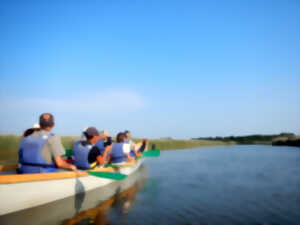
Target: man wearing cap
{"points": [[41, 152], [92, 151], [102, 149]]}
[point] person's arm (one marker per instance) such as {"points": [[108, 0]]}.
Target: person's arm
{"points": [[104, 158], [136, 153], [130, 159], [133, 148], [100, 160], [102, 137], [99, 154], [107, 152], [126, 150], [57, 150], [64, 165], [142, 145], [137, 150]]}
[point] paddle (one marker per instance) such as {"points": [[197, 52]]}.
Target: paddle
{"points": [[151, 153], [108, 175], [115, 165]]}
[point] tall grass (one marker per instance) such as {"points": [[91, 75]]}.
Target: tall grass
{"points": [[9, 145], [167, 144]]}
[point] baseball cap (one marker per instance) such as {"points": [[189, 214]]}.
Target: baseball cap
{"points": [[92, 131]]}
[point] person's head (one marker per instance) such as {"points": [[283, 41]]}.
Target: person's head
{"points": [[92, 135], [121, 137], [127, 134], [46, 121]]}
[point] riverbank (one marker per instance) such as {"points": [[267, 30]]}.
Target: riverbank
{"points": [[9, 145], [255, 139], [294, 141]]}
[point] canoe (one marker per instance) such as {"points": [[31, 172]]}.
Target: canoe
{"points": [[23, 191], [72, 209]]}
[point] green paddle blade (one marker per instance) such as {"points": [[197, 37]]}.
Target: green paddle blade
{"points": [[115, 165], [152, 153], [68, 153], [108, 175]]}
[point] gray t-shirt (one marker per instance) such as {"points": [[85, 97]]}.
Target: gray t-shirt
{"points": [[52, 147]]}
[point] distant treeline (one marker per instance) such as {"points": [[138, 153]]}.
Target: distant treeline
{"points": [[249, 139]]}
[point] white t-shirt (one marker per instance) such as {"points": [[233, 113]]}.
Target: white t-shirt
{"points": [[126, 148]]}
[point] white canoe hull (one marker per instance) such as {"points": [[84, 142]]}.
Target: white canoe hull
{"points": [[20, 196]]}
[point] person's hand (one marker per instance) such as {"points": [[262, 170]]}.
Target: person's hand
{"points": [[131, 160], [101, 159], [73, 168]]}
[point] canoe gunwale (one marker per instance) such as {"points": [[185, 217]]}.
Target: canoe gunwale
{"points": [[35, 177]]}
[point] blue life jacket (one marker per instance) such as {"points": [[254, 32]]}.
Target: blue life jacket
{"points": [[100, 145], [81, 154], [117, 153], [30, 158]]}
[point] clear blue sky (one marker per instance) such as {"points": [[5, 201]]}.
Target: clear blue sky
{"points": [[158, 68]]}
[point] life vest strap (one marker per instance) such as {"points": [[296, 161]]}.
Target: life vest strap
{"points": [[39, 165], [92, 166]]}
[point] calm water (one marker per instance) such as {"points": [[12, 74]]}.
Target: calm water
{"points": [[215, 185]]}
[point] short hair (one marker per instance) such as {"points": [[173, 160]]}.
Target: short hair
{"points": [[121, 137], [46, 120]]}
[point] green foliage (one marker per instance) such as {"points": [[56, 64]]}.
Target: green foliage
{"points": [[250, 139], [68, 141]]}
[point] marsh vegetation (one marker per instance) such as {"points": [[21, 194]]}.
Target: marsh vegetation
{"points": [[9, 145]]}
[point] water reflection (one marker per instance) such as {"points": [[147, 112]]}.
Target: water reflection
{"points": [[119, 205], [79, 196]]}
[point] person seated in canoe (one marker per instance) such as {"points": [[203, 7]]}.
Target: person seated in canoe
{"points": [[120, 152], [41, 152], [93, 150], [103, 146], [136, 149]]}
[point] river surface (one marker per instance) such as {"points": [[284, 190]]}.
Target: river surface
{"points": [[214, 185]]}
